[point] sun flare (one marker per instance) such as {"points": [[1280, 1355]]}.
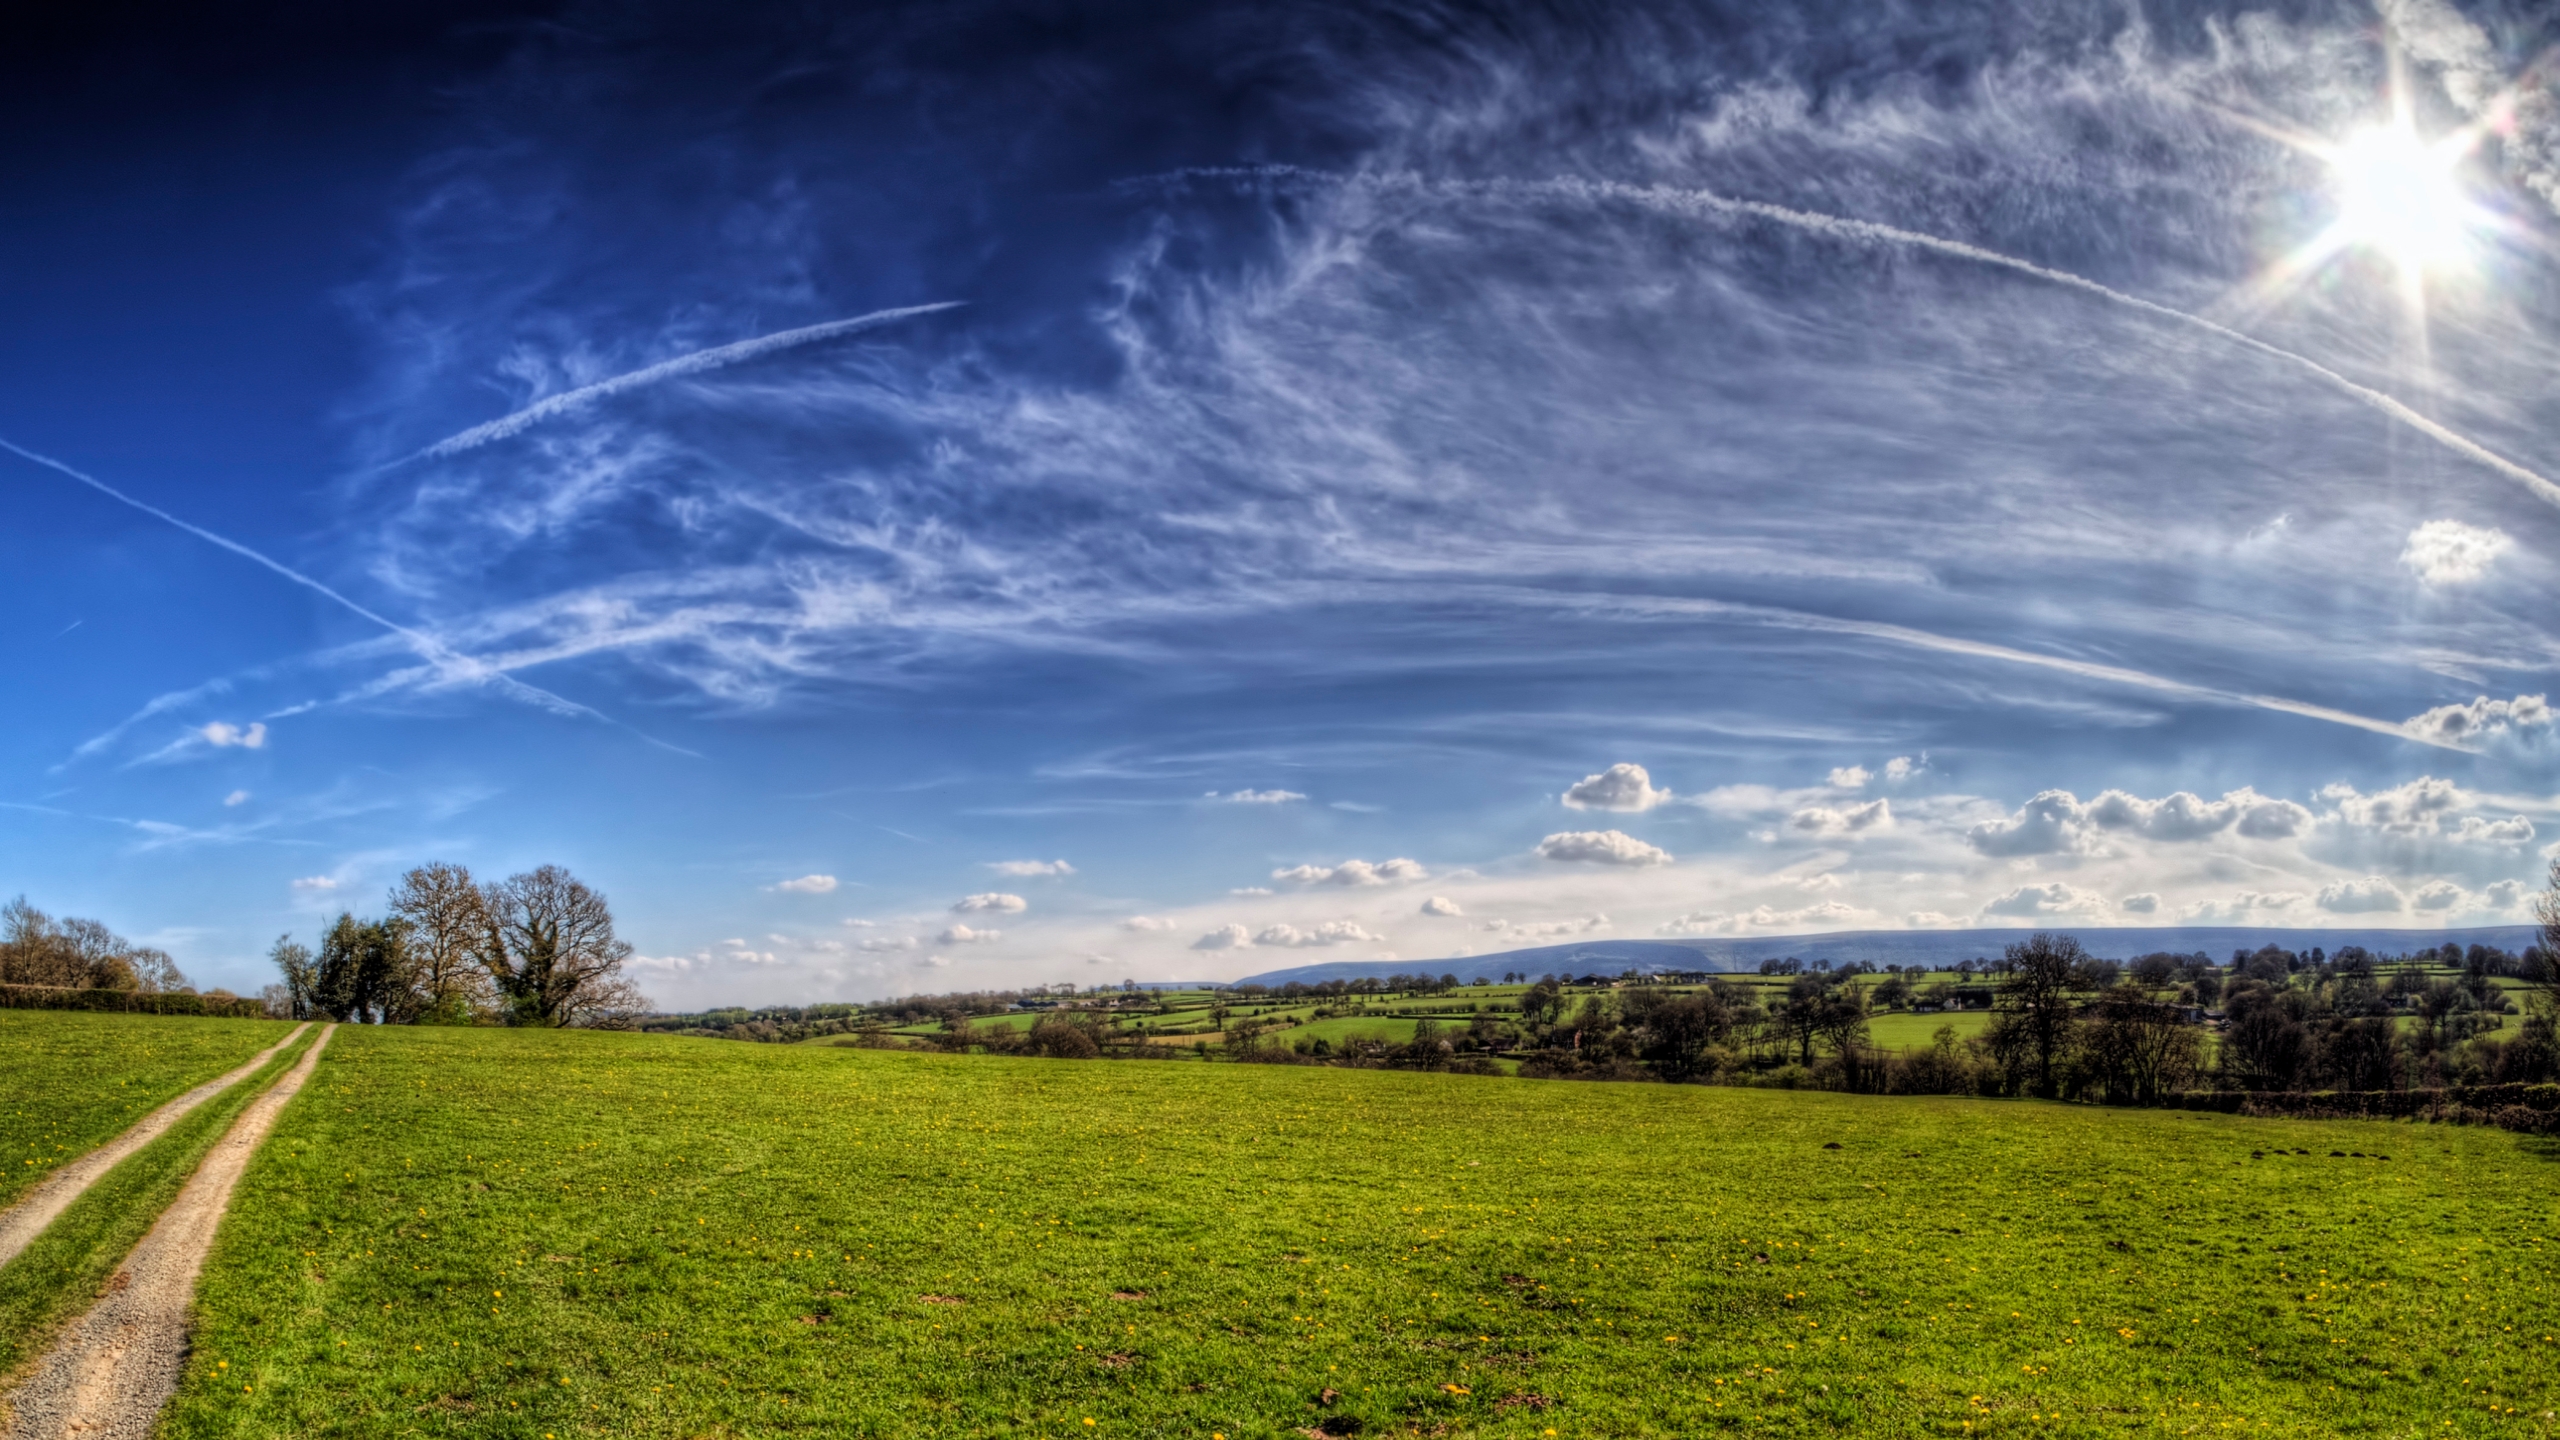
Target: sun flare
{"points": [[2399, 195]]}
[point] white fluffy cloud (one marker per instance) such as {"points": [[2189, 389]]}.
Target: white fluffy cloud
{"points": [[1601, 847], [2503, 895], [1256, 797], [806, 885], [2146, 903], [1225, 937], [2448, 552], [1441, 905], [1903, 767], [1761, 917], [1625, 788], [2051, 898], [1354, 873], [2420, 808], [2057, 823], [1850, 777], [316, 882], [1146, 923], [2439, 895], [992, 900], [1030, 869], [1546, 929], [1331, 932], [883, 944], [1842, 820], [2372, 895], [222, 734], [963, 935], [2482, 719]]}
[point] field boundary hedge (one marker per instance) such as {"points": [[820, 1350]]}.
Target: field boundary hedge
{"points": [[2532, 1109], [132, 1002]]}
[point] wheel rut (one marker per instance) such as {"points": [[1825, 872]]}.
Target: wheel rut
{"points": [[113, 1370], [21, 1223]]}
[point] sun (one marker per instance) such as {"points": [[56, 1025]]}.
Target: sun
{"points": [[2401, 196]]}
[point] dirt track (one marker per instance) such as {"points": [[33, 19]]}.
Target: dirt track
{"points": [[112, 1371], [21, 1223]]}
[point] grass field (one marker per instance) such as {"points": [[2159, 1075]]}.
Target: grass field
{"points": [[489, 1233], [54, 1278], [76, 1080]]}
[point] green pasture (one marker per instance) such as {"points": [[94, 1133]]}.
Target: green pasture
{"points": [[1390, 1029], [545, 1235], [1904, 1030], [75, 1080]]}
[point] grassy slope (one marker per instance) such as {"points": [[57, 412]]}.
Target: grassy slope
{"points": [[55, 1277], [507, 1234], [70, 1081]]}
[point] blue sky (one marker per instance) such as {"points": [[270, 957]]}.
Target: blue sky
{"points": [[983, 495]]}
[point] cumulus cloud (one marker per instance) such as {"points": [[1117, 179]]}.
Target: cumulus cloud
{"points": [[1225, 937], [2146, 903], [1850, 777], [1331, 932], [2438, 895], [1146, 923], [2370, 896], [2448, 552], [992, 900], [2482, 719], [1761, 917], [2051, 898], [1441, 905], [1601, 847], [1256, 797], [236, 797], [1620, 787], [221, 734], [963, 935], [2421, 808], [1354, 873], [316, 882], [2504, 894], [746, 954], [883, 944], [1546, 929], [1903, 767], [806, 885], [2055, 822], [1842, 820], [1029, 869], [2246, 904]]}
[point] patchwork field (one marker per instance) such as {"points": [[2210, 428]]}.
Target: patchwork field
{"points": [[74, 1080], [482, 1233]]}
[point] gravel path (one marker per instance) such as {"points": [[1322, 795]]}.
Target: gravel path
{"points": [[115, 1368], [21, 1223]]}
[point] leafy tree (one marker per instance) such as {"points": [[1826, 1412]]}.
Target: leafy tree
{"points": [[447, 920], [362, 973], [550, 949]]}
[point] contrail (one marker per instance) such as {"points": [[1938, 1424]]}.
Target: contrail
{"points": [[448, 663], [693, 364], [1781, 618], [1668, 198]]}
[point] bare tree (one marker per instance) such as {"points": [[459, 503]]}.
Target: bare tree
{"points": [[37, 950], [2037, 999], [550, 949], [447, 922], [2546, 908]]}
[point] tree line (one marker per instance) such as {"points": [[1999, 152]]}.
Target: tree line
{"points": [[36, 949], [534, 949]]}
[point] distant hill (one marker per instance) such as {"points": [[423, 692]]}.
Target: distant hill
{"points": [[1886, 947]]}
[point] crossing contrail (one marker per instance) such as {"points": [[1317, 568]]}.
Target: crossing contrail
{"points": [[447, 662], [1692, 202], [683, 365]]}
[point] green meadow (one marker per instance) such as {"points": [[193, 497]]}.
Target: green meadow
{"points": [[545, 1234], [75, 1080]]}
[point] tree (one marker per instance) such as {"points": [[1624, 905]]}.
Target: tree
{"points": [[2037, 999], [2137, 1049], [301, 977], [550, 949], [83, 954], [362, 973], [1841, 1018], [2546, 909], [447, 921]]}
